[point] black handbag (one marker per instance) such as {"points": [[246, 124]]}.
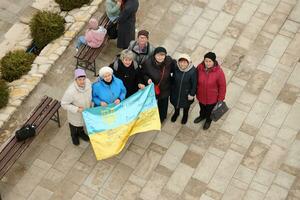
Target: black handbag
{"points": [[112, 30], [25, 132], [218, 111]]}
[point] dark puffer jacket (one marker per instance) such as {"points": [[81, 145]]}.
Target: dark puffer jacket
{"points": [[152, 70], [184, 83]]}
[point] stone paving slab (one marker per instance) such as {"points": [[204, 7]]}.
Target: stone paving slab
{"points": [[252, 153]]}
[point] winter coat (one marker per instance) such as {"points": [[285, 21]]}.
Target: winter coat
{"points": [[141, 56], [184, 83], [76, 97], [108, 93], [126, 27], [211, 84], [94, 38], [152, 70], [131, 76], [112, 9]]}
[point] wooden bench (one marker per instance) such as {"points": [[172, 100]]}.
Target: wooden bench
{"points": [[46, 110], [86, 56]]}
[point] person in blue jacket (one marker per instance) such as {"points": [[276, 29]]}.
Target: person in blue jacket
{"points": [[108, 88]]}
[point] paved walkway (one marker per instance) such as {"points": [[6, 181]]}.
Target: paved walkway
{"points": [[10, 11], [252, 154]]}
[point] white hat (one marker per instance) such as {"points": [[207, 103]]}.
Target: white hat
{"points": [[185, 56], [105, 70]]}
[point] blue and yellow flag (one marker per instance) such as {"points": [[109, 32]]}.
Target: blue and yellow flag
{"points": [[110, 127]]}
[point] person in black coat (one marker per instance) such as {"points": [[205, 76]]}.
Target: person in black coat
{"points": [[126, 69], [184, 85], [126, 26], [157, 69]]}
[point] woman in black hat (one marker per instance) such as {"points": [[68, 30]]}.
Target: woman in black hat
{"points": [[157, 69]]}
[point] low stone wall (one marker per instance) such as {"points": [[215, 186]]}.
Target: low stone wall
{"points": [[18, 37]]}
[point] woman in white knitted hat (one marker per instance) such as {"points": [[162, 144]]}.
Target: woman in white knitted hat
{"points": [[108, 88]]}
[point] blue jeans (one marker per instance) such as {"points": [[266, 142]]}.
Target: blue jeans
{"points": [[80, 41]]}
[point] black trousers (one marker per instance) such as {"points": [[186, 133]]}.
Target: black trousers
{"points": [[205, 111], [185, 110], [163, 108], [76, 130]]}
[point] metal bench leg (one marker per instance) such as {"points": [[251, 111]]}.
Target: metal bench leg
{"points": [[56, 118]]}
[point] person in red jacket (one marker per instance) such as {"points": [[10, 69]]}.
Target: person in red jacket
{"points": [[211, 87]]}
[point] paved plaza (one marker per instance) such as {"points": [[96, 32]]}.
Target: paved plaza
{"points": [[253, 153]]}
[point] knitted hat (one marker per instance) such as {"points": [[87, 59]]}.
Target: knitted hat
{"points": [[160, 50], [144, 33], [79, 73], [185, 56], [105, 70], [93, 24], [211, 56]]}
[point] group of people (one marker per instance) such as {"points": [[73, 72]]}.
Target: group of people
{"points": [[177, 81], [140, 64]]}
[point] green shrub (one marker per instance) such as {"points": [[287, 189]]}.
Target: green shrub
{"points": [[4, 93], [45, 27], [67, 5], [15, 64]]}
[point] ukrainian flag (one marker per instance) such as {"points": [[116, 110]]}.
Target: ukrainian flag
{"points": [[110, 127]]}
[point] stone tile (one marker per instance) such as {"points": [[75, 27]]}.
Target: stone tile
{"points": [[163, 139], [278, 46], [213, 194], [255, 155], [208, 164], [294, 80], [66, 190], [258, 187], [243, 139], [234, 57], [264, 177], [293, 157], [267, 131], [244, 42], [253, 194], [79, 173], [128, 192], [130, 159], [276, 193], [173, 155], [163, 171], [244, 174], [287, 134], [288, 94], [275, 22], [233, 121], [88, 192], [40, 193], [284, 179], [257, 82], [199, 28], [222, 141], [107, 194], [245, 101], [168, 195], [205, 197], [295, 13], [257, 114], [220, 23], [171, 128], [50, 154], [274, 158], [98, 176], [137, 180], [117, 178], [157, 148], [233, 93], [293, 48], [52, 179], [194, 189], [79, 196], [233, 193], [224, 46], [216, 4], [179, 178], [208, 42], [147, 164], [153, 187], [225, 171], [185, 135], [291, 119], [144, 139], [191, 159], [245, 12], [209, 14]]}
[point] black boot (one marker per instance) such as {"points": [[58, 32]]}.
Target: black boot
{"points": [[206, 125], [185, 116], [198, 119], [175, 115], [84, 136], [75, 138]]}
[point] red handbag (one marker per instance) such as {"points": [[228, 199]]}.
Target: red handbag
{"points": [[156, 87]]}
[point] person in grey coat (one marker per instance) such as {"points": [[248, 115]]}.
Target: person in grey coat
{"points": [[77, 97], [126, 26], [184, 85], [141, 47]]}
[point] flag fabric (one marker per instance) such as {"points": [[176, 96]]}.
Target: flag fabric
{"points": [[110, 127]]}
